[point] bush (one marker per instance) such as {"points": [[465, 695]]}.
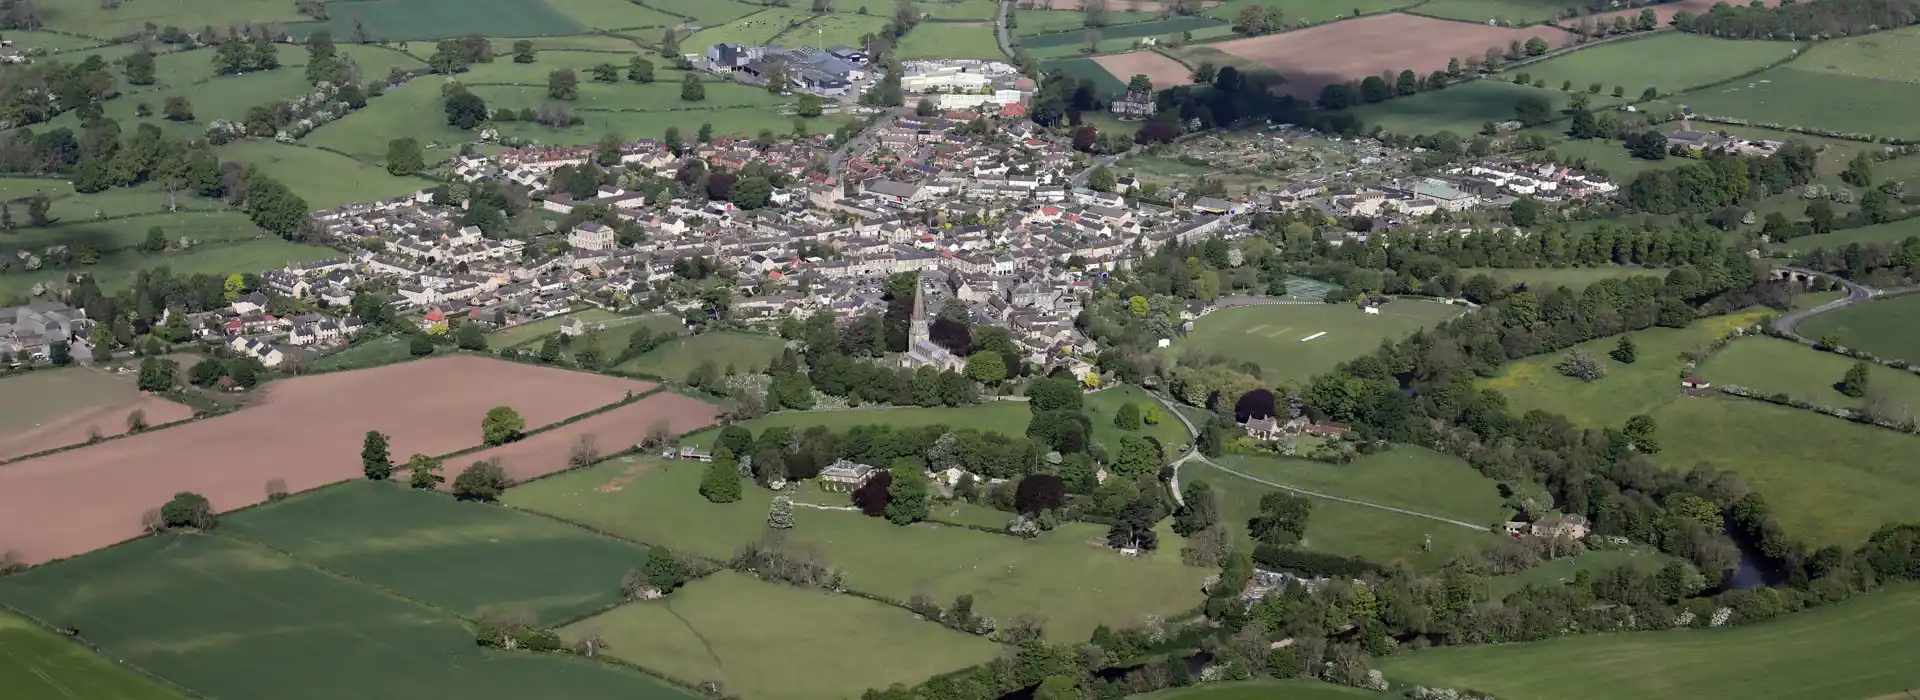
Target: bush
{"points": [[1581, 366], [187, 509], [483, 481]]}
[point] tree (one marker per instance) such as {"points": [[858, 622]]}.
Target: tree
{"points": [[206, 372], [419, 345], [872, 497], [1639, 430], [59, 353], [1536, 46], [721, 484], [1128, 417], [469, 337], [664, 570], [523, 51], [1101, 179], [705, 134], [187, 509], [1406, 84], [908, 500], [178, 109], [375, 461], [1525, 212], [157, 374], [691, 89], [423, 472], [1533, 110], [926, 107], [1854, 384], [481, 481], [1199, 509], [1581, 366], [1039, 492], [986, 367], [1859, 171], [605, 73], [780, 513], [1140, 83], [810, 106], [465, 110], [1624, 351], [1374, 89], [140, 68], [501, 426], [640, 70], [404, 156], [562, 84]]}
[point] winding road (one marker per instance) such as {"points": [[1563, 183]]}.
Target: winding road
{"points": [[1856, 293], [1000, 29]]}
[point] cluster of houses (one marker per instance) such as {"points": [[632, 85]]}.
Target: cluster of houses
{"points": [[837, 71], [31, 330]]}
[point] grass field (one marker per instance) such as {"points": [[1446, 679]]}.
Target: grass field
{"points": [[1555, 573], [1407, 477], [1030, 22], [96, 20], [613, 14], [1088, 72], [1772, 365], [1295, 11], [449, 554], [1101, 407], [1136, 30], [533, 331], [828, 30], [50, 42], [57, 393], [949, 40], [1668, 61], [1857, 649], [1263, 690], [1461, 109], [373, 353], [1575, 278], [230, 244], [403, 20], [35, 664], [1077, 586], [365, 133], [345, 179], [983, 10], [757, 28], [1893, 232], [1795, 96], [1887, 328], [234, 620], [757, 639], [746, 352], [1273, 336], [707, 13], [1004, 417], [1510, 11]]}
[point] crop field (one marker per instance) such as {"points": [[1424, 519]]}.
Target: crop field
{"points": [[404, 20], [1347, 529], [82, 500], [1312, 58], [746, 352], [1794, 96], [1164, 72], [1669, 61], [38, 664], [1856, 649], [1887, 328], [1407, 477], [1122, 31], [609, 432], [1263, 690], [69, 405], [949, 40], [758, 639], [1101, 407], [1293, 12], [345, 180], [1772, 365], [1461, 109], [1076, 585], [443, 552], [1089, 72], [1004, 417], [96, 20], [229, 619], [614, 14], [1277, 337]]}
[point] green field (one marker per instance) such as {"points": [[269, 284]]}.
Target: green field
{"points": [[56, 393], [1857, 649], [1263, 690], [757, 28], [983, 10], [1461, 109], [1293, 12], [707, 13], [533, 331], [96, 20], [326, 180], [1004, 417], [233, 620], [230, 244], [1887, 328], [828, 30], [1575, 278], [757, 639], [1775, 366], [1510, 11], [403, 20], [1271, 336], [1413, 478], [1075, 585], [1795, 96], [1668, 61], [1088, 72], [1893, 232], [446, 553], [949, 40], [373, 353], [608, 15], [1101, 407], [745, 352], [1030, 22], [1123, 31], [34, 664], [52, 43], [1555, 573]]}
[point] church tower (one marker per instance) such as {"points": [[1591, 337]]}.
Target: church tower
{"points": [[917, 333]]}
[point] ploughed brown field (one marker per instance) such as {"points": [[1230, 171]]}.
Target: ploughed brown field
{"points": [[306, 431], [545, 453], [1164, 72], [1354, 49]]}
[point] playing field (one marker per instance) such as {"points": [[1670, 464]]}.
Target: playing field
{"points": [[1277, 337], [1575, 278], [1668, 61], [1004, 417], [930, 40], [1775, 366], [234, 620], [1076, 585], [1887, 327], [760, 639], [745, 352], [1857, 649], [36, 664]]}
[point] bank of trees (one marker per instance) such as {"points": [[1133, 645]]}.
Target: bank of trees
{"points": [[1800, 21]]}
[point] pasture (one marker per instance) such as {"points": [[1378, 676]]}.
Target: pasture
{"points": [[37, 664], [324, 179], [97, 20], [1556, 573], [364, 134], [757, 28], [1101, 406], [1030, 22], [706, 13], [825, 31], [1337, 52], [758, 639], [81, 500], [605, 433], [56, 408], [609, 15], [930, 40], [1075, 584], [1668, 61], [443, 552], [535, 331], [1576, 278], [677, 358], [373, 353], [1887, 328], [1892, 232], [229, 243], [1276, 337], [1163, 27], [1413, 478], [1091, 73], [1794, 96], [983, 10], [413, 20], [1005, 417], [1775, 366], [1856, 649], [1461, 109], [226, 618]]}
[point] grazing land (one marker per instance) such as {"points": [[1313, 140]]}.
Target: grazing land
{"points": [[443, 552], [1274, 337], [1794, 95], [307, 431], [1776, 366], [405, 20], [1554, 573], [1337, 52], [1075, 584], [746, 352], [610, 15], [97, 20], [619, 429], [1663, 13], [1164, 72], [1892, 232], [757, 28], [1571, 277], [230, 619], [707, 13], [758, 639], [1461, 109], [949, 40], [36, 664], [56, 408], [958, 9], [1855, 649], [1119, 36], [1887, 328], [229, 244], [346, 180], [1668, 61], [1090, 72], [1005, 417], [1031, 22], [823, 31], [1406, 477], [1151, 6]]}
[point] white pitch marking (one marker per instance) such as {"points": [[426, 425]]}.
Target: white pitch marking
{"points": [[1311, 337]]}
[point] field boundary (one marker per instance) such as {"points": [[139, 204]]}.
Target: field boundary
{"points": [[101, 652]]}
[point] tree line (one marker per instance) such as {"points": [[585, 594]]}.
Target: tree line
{"points": [[1800, 21]]}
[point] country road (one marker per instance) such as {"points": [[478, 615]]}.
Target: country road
{"points": [[1000, 29], [1856, 293]]}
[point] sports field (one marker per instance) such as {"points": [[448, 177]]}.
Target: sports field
{"points": [[930, 40], [1077, 586], [1775, 366], [745, 352], [1887, 328], [1575, 278], [761, 640], [443, 552], [234, 620], [1857, 649], [1668, 61], [1004, 417], [1293, 342], [34, 663]]}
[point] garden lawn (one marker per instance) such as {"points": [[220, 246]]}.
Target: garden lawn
{"points": [[1273, 337], [1776, 366], [535, 331], [229, 619], [1345, 529], [1413, 478], [1887, 328], [1004, 417], [1075, 585], [326, 180], [464, 557], [1627, 390], [1669, 61], [34, 663], [934, 40], [1857, 649], [745, 352], [759, 639], [1264, 690], [1101, 407], [404, 20], [1575, 278], [1461, 109]]}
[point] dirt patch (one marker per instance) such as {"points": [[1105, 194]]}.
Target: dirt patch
{"points": [[1354, 49], [627, 476], [107, 421], [1112, 5], [307, 433], [613, 431], [1164, 72]]}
